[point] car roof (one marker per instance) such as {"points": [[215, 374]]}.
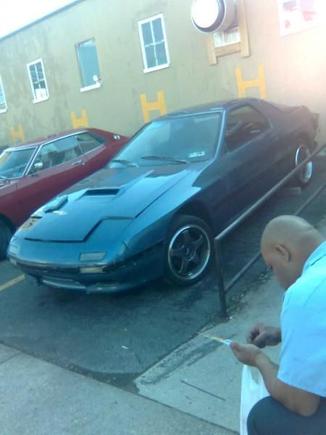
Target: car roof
{"points": [[50, 138], [211, 107]]}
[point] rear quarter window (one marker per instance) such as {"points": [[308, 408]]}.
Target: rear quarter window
{"points": [[87, 142], [243, 124]]}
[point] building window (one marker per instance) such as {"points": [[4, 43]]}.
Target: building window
{"points": [[3, 102], [38, 81], [88, 65], [154, 43], [223, 39]]}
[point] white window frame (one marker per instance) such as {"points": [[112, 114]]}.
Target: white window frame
{"points": [[96, 84], [4, 97], [35, 99], [158, 67], [90, 87]]}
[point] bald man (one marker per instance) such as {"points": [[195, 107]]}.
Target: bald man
{"points": [[296, 252]]}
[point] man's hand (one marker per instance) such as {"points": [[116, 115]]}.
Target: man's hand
{"points": [[246, 353], [295, 399], [261, 335]]}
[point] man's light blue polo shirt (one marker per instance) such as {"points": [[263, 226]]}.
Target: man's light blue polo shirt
{"points": [[303, 325]]}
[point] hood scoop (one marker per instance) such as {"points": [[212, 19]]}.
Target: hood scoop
{"points": [[105, 191], [56, 204]]}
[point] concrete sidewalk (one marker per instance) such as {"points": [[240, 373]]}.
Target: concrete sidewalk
{"points": [[38, 398]]}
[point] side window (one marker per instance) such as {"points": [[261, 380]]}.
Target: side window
{"points": [[244, 124], [88, 142], [44, 158], [55, 153]]}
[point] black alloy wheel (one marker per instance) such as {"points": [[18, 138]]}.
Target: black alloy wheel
{"points": [[304, 175], [188, 250], [5, 236]]}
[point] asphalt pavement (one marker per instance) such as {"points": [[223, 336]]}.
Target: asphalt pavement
{"points": [[115, 341]]}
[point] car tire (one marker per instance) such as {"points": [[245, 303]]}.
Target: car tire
{"points": [[188, 250], [5, 236], [304, 176]]}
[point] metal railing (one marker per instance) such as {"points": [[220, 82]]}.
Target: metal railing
{"points": [[223, 287]]}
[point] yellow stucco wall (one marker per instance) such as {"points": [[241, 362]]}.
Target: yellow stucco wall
{"points": [[290, 69]]}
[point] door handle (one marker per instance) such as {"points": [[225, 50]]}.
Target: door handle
{"points": [[78, 163]]}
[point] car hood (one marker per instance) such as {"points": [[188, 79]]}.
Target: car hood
{"points": [[109, 194]]}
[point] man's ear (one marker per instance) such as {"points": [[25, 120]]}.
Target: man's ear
{"points": [[283, 251]]}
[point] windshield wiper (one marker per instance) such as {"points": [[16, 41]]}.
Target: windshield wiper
{"points": [[124, 162], [165, 158]]}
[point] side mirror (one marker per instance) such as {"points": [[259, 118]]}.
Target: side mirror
{"points": [[38, 166]]}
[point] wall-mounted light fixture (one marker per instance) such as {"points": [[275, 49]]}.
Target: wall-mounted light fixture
{"points": [[214, 15]]}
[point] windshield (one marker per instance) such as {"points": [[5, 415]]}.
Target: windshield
{"points": [[176, 140], [14, 162]]}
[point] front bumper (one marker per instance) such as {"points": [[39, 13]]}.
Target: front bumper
{"points": [[135, 272]]}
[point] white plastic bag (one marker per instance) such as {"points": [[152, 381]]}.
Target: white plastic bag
{"points": [[252, 390]]}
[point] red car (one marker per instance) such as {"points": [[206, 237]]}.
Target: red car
{"points": [[32, 173]]}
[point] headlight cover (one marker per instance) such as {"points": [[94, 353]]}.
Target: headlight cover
{"points": [[92, 256], [29, 223], [91, 269]]}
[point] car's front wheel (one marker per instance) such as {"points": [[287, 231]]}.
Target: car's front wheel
{"points": [[5, 236], [188, 250], [304, 175]]}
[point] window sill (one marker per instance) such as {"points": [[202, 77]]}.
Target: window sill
{"points": [[4, 110], [40, 100], [224, 50], [89, 88], [156, 68]]}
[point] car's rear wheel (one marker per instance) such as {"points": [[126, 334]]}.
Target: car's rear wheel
{"points": [[188, 250], [5, 236], [304, 175]]}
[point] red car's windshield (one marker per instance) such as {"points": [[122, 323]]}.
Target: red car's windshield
{"points": [[14, 162]]}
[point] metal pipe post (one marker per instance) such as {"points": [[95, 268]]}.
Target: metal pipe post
{"points": [[220, 279]]}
